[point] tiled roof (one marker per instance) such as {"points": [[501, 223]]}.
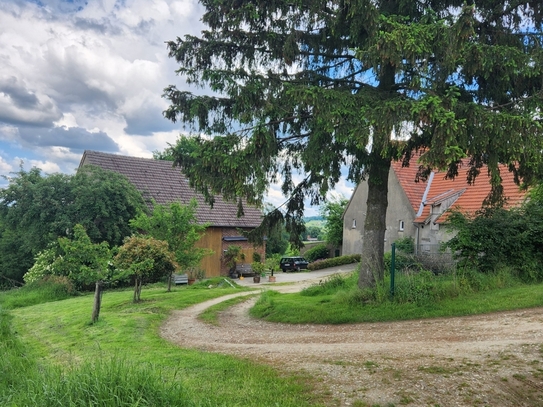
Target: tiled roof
{"points": [[162, 182], [470, 197], [406, 176]]}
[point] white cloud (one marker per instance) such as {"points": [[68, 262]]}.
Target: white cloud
{"points": [[90, 75], [100, 66], [47, 167]]}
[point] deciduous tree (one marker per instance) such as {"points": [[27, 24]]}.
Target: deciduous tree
{"points": [[313, 87], [332, 212], [36, 209], [145, 259], [177, 225]]}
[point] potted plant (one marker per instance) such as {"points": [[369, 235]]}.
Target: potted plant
{"points": [[192, 275], [231, 256], [271, 277], [259, 270]]}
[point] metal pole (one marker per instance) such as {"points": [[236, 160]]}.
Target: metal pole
{"points": [[392, 268]]}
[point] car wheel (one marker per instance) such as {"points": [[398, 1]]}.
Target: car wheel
{"points": [[284, 270], [297, 268]]}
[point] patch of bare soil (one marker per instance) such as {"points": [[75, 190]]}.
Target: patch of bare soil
{"points": [[485, 360]]}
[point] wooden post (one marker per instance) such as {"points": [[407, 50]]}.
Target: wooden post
{"points": [[97, 301], [170, 282]]}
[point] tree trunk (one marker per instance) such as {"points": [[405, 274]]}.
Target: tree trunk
{"points": [[97, 302], [137, 290], [373, 238], [170, 282]]}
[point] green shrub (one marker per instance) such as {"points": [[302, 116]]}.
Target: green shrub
{"points": [[402, 262], [405, 245], [336, 261], [43, 264], [320, 251], [497, 237]]}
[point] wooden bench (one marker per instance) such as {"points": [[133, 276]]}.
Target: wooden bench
{"points": [[180, 279], [244, 270]]}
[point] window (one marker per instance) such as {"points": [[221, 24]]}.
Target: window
{"points": [[354, 224], [402, 225]]}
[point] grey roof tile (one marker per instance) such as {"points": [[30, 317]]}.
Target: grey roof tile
{"points": [[162, 182]]}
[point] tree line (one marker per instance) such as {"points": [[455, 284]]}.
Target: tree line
{"points": [[92, 228]]}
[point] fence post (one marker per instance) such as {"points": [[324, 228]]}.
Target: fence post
{"points": [[392, 269]]}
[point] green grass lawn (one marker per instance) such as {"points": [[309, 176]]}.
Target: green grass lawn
{"points": [[342, 305], [50, 352], [59, 333]]}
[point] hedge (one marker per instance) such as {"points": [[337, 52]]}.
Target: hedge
{"points": [[336, 261]]}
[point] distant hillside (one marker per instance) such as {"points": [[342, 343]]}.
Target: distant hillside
{"points": [[311, 218]]}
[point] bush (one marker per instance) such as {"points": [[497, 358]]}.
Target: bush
{"points": [[318, 252], [405, 245], [497, 237], [402, 262], [43, 264], [336, 261]]}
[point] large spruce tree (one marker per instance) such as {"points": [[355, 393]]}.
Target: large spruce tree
{"points": [[313, 87]]}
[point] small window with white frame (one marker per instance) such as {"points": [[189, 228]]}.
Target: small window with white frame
{"points": [[402, 225], [354, 224]]}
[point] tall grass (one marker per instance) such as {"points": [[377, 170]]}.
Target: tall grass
{"points": [[50, 355], [108, 382], [111, 381], [51, 288], [337, 299]]}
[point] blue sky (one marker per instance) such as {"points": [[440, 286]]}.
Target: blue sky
{"points": [[77, 75]]}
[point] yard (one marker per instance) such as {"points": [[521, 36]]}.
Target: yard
{"points": [[493, 359]]}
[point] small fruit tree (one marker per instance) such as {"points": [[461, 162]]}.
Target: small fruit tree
{"points": [[144, 259]]}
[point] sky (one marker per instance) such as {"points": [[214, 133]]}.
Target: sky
{"points": [[89, 75]]}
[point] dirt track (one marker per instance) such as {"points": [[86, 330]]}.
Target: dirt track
{"points": [[492, 360]]}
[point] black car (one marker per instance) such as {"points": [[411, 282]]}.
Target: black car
{"points": [[293, 263]]}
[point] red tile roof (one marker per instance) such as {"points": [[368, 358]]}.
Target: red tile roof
{"points": [[406, 176], [470, 197], [162, 182]]}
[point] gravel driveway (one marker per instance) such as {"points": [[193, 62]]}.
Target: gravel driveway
{"points": [[485, 360]]}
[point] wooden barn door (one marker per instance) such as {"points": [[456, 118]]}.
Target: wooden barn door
{"points": [[212, 239]]}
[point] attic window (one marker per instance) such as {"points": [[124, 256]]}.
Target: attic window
{"points": [[402, 225], [354, 224]]}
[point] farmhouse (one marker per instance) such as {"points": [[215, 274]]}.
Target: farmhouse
{"points": [[420, 209], [160, 182]]}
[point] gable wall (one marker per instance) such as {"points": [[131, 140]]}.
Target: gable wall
{"points": [[399, 208]]}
